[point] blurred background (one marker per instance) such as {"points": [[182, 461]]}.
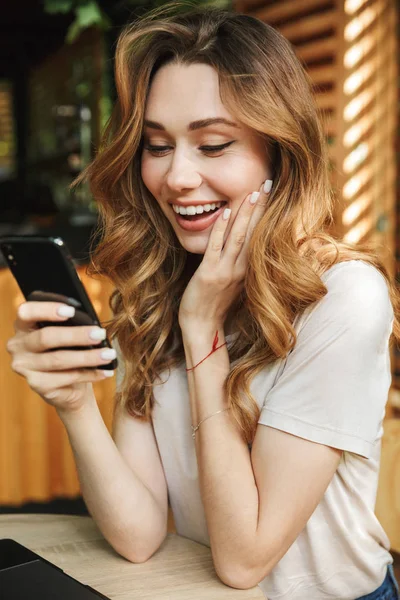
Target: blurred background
{"points": [[56, 94]]}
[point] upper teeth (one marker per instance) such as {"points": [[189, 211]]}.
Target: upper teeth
{"points": [[196, 210]]}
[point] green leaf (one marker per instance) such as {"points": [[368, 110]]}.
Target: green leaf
{"points": [[58, 6], [82, 89], [73, 32], [89, 14]]}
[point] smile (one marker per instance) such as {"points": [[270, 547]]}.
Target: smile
{"points": [[199, 222], [196, 209]]}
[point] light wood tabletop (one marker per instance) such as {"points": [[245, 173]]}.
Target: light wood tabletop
{"points": [[179, 570]]}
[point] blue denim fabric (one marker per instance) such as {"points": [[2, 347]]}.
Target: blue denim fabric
{"points": [[389, 590]]}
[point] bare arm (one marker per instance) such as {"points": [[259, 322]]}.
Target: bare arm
{"points": [[248, 496], [124, 487], [122, 482]]}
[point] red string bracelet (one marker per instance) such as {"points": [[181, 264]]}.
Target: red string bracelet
{"points": [[214, 349]]}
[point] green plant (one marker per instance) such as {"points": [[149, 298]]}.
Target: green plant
{"points": [[104, 14]]}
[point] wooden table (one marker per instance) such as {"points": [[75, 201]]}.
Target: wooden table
{"points": [[179, 570]]}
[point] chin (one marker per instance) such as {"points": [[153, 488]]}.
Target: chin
{"points": [[194, 246]]}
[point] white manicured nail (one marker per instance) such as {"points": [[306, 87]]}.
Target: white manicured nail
{"points": [[98, 334], [108, 353], [66, 311], [227, 214], [108, 373], [254, 197], [268, 186]]}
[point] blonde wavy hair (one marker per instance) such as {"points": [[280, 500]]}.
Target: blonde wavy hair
{"points": [[262, 84]]}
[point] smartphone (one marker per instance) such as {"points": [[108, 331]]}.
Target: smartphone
{"points": [[45, 272]]}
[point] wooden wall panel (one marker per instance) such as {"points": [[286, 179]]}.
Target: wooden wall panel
{"points": [[349, 50], [388, 500], [36, 461]]}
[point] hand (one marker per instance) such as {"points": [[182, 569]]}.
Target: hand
{"points": [[61, 377], [220, 277]]}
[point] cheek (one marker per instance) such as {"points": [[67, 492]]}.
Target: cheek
{"points": [[151, 175], [241, 176]]}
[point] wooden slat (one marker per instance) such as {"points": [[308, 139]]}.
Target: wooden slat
{"points": [[317, 49], [323, 74], [310, 26], [330, 129], [326, 100], [287, 10]]}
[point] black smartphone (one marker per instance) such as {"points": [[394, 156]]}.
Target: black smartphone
{"points": [[45, 272]]}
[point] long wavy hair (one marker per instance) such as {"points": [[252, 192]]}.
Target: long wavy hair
{"points": [[262, 84]]}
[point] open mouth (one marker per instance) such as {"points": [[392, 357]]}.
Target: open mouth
{"points": [[202, 215]]}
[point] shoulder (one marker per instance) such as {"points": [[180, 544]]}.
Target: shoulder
{"points": [[355, 276], [357, 297]]}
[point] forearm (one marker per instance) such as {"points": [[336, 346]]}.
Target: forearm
{"points": [[227, 482], [124, 509]]}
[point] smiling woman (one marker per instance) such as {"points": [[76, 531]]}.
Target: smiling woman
{"points": [[254, 347]]}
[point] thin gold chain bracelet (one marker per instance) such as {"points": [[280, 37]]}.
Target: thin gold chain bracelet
{"points": [[194, 429]]}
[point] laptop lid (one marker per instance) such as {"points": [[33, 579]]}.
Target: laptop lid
{"points": [[24, 574]]}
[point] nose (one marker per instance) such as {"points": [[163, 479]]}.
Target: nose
{"points": [[182, 173]]}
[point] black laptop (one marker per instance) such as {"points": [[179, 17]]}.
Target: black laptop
{"points": [[25, 575]]}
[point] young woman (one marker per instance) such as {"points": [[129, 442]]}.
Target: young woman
{"points": [[254, 347]]}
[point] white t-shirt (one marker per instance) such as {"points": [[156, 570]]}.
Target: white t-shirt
{"points": [[331, 389]]}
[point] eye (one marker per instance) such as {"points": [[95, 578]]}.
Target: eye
{"points": [[215, 149], [157, 150], [160, 150]]}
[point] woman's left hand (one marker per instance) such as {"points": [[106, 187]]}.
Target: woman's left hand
{"points": [[220, 277]]}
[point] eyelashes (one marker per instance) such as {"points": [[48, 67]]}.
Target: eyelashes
{"points": [[161, 150]]}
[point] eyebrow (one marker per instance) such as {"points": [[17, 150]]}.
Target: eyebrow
{"points": [[195, 124]]}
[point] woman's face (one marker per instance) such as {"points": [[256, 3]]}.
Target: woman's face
{"points": [[179, 167]]}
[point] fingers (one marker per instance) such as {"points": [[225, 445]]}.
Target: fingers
{"points": [[248, 215], [259, 204], [216, 241], [31, 348], [29, 314], [61, 360], [48, 338], [58, 362]]}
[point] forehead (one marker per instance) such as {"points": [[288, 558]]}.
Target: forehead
{"points": [[185, 93]]}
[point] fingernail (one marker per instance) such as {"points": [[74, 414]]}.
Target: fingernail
{"points": [[66, 311], [98, 334], [108, 373], [268, 186], [227, 214], [254, 197], [108, 353]]}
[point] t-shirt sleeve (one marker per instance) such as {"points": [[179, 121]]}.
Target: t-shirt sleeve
{"points": [[334, 385]]}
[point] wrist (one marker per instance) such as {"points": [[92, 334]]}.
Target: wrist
{"points": [[204, 349], [202, 332], [78, 412]]}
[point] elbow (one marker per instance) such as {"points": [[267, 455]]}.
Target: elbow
{"points": [[139, 552], [137, 555], [244, 575], [240, 579]]}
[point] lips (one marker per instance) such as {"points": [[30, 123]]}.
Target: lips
{"points": [[200, 224]]}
